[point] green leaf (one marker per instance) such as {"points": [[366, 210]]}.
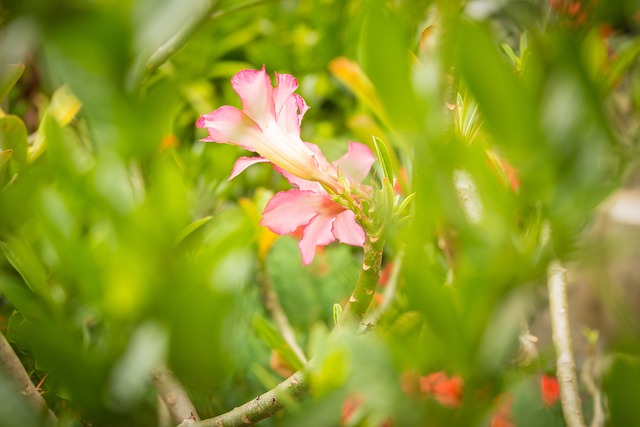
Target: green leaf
{"points": [[405, 203], [8, 77], [64, 105], [337, 312], [13, 136], [507, 107], [384, 55], [512, 56], [5, 156], [621, 63], [189, 229], [385, 159], [24, 300], [26, 263], [272, 337]]}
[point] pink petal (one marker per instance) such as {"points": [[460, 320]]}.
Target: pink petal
{"points": [[318, 232], [315, 149], [244, 162], [286, 85], [256, 93], [229, 125], [347, 230], [288, 210], [288, 118], [302, 106], [356, 163], [302, 184]]}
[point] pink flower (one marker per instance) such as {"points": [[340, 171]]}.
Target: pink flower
{"points": [[310, 206], [269, 124]]}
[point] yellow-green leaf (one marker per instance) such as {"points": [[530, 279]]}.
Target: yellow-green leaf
{"points": [[8, 77]]}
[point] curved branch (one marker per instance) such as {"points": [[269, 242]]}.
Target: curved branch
{"points": [[11, 366], [297, 386], [173, 395], [565, 363], [293, 388]]}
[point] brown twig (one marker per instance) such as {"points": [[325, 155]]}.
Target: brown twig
{"points": [[297, 386], [173, 395], [565, 363], [263, 406], [272, 305], [12, 368]]}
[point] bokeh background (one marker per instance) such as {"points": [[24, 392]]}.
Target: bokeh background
{"points": [[124, 247]]}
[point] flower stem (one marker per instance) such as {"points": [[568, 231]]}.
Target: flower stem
{"points": [[565, 363], [361, 297]]}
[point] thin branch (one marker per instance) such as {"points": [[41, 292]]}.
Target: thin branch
{"points": [[587, 373], [293, 388], [164, 416], [566, 365], [297, 386], [11, 366], [173, 395], [272, 304]]}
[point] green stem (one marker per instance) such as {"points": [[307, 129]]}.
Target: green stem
{"points": [[354, 311]]}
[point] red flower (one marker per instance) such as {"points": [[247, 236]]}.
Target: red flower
{"points": [[502, 415], [550, 390], [352, 411], [447, 391]]}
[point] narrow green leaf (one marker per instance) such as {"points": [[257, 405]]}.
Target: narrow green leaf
{"points": [[385, 159], [13, 136], [621, 63], [507, 107], [8, 77], [337, 312], [272, 337], [405, 203], [23, 299], [26, 263], [189, 229], [5, 156], [384, 58], [510, 53]]}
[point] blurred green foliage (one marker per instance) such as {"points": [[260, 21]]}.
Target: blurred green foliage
{"points": [[124, 245]]}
